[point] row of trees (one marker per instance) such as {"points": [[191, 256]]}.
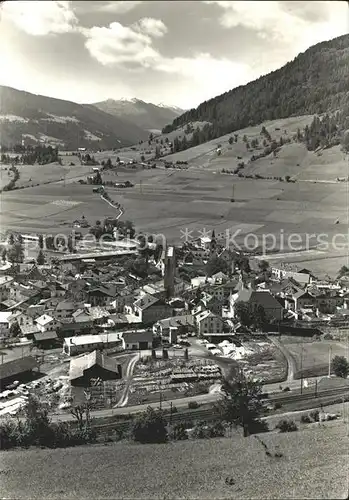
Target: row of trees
{"points": [[41, 155], [124, 228]]}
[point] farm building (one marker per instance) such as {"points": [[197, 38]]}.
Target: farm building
{"points": [[18, 369], [141, 339], [87, 343], [93, 366], [45, 340]]}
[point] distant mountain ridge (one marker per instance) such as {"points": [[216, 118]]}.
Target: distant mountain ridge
{"points": [[39, 119], [143, 114], [315, 82]]}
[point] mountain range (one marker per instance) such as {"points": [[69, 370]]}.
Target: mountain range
{"points": [[39, 119], [143, 114]]}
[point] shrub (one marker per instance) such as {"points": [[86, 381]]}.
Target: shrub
{"points": [[285, 425], [314, 415], [178, 432], [193, 405], [150, 427], [305, 419], [277, 406], [200, 431], [8, 435], [216, 430]]}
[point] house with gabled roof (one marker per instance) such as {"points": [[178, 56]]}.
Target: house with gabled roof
{"points": [[149, 309], [272, 307], [46, 323], [208, 322]]}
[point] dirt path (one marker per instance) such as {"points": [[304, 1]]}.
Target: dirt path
{"points": [[128, 375]]}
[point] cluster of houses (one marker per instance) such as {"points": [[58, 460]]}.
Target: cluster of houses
{"points": [[98, 305]]}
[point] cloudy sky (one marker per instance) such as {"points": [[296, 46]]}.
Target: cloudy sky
{"points": [[175, 52]]}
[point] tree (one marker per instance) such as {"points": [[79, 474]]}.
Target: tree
{"points": [[11, 239], [241, 403], [344, 271], [41, 241], [16, 253], [15, 329], [4, 254], [244, 138], [340, 366], [98, 179], [215, 265], [142, 158], [345, 141], [108, 163], [231, 140], [263, 265], [243, 313], [40, 259], [157, 152], [150, 427], [259, 317]]}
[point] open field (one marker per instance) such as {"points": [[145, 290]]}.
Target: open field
{"points": [[48, 208], [314, 465], [195, 200], [312, 356], [171, 201]]}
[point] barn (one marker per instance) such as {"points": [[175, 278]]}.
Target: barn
{"points": [[93, 365], [18, 369]]}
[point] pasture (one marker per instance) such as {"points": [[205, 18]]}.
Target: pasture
{"points": [[170, 202], [182, 204], [313, 465]]}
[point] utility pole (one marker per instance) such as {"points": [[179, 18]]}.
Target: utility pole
{"points": [[329, 361], [302, 368], [171, 412], [316, 387], [160, 400]]}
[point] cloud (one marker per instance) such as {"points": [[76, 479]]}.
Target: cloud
{"points": [[117, 7], [40, 18], [131, 48], [152, 27], [300, 23], [118, 44]]}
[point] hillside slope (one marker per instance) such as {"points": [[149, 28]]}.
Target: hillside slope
{"points": [[37, 118], [316, 81], [313, 465], [143, 114]]}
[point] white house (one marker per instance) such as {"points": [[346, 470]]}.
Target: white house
{"points": [[5, 322], [87, 343], [46, 323], [207, 322]]}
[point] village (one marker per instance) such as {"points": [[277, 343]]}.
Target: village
{"points": [[129, 328]]}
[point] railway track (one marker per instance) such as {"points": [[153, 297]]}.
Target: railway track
{"points": [[207, 414]]}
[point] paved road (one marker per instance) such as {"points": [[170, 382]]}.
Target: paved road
{"points": [[290, 360]]}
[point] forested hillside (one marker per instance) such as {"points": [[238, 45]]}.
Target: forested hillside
{"points": [[315, 82]]}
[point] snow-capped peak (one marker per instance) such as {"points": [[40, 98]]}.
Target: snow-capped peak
{"points": [[168, 106]]}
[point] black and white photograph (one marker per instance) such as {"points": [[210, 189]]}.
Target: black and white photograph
{"points": [[174, 250]]}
